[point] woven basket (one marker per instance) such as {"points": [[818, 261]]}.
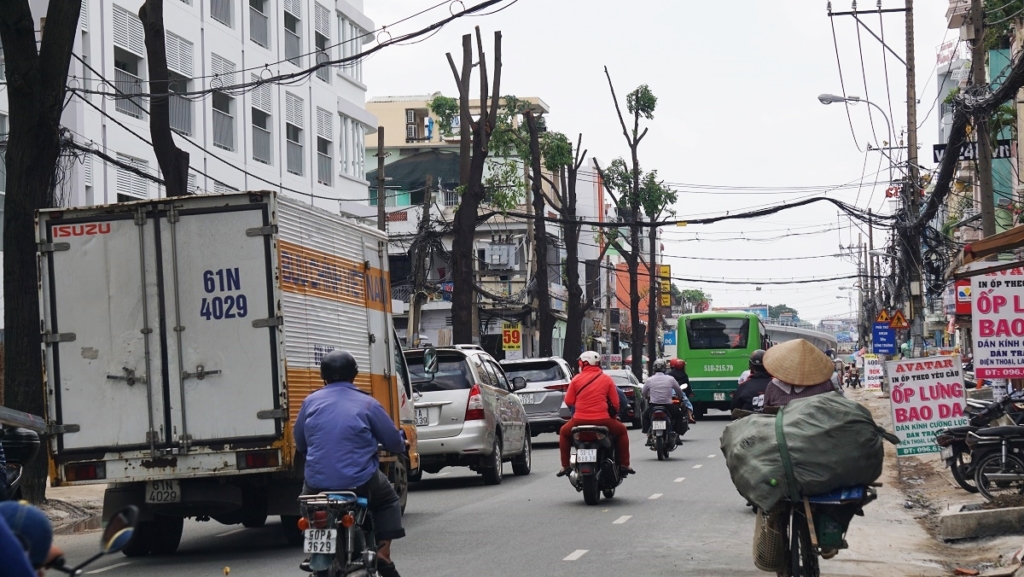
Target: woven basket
{"points": [[769, 542]]}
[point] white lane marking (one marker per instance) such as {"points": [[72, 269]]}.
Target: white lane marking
{"points": [[679, 480], [622, 520], [575, 555], [654, 496], [711, 456], [232, 532], [114, 566], [697, 466]]}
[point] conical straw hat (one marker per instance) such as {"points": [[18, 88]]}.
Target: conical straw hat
{"points": [[798, 363]]}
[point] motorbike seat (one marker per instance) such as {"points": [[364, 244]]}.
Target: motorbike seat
{"points": [[590, 428], [1005, 431], [962, 430]]}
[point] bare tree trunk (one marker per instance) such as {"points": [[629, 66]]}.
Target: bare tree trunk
{"points": [[545, 319], [576, 307], [636, 344], [36, 83], [173, 161], [652, 300]]}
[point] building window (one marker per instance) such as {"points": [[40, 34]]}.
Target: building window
{"points": [[220, 10], [293, 31], [128, 83], [352, 148], [262, 144], [322, 38], [129, 184], [180, 71], [293, 133], [324, 138], [223, 104], [221, 188], [259, 24], [351, 39]]}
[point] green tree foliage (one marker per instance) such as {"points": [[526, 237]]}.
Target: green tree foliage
{"points": [[774, 311], [654, 198], [446, 109]]}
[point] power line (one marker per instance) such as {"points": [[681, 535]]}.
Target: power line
{"points": [[842, 84]]}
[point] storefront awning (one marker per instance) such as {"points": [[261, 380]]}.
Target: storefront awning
{"points": [[979, 250]]}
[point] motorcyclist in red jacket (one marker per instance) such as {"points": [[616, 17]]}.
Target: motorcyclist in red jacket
{"points": [[590, 394]]}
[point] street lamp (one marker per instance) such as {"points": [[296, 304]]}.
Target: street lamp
{"points": [[830, 98]]}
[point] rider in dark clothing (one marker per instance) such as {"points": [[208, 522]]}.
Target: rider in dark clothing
{"points": [[677, 370], [750, 395]]}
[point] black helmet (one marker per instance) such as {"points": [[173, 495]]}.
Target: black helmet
{"points": [[757, 360], [338, 365]]}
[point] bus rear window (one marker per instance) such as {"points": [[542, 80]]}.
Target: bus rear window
{"points": [[723, 333]]}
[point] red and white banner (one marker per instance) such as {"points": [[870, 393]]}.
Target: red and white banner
{"points": [[998, 324]]}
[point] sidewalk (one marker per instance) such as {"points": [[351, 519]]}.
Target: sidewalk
{"points": [[74, 507]]}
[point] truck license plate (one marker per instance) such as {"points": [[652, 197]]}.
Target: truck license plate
{"points": [[163, 492], [719, 396], [528, 399], [421, 419], [586, 455], [320, 541], [659, 425]]}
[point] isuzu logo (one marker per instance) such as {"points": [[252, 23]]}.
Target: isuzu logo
{"points": [[69, 230]]}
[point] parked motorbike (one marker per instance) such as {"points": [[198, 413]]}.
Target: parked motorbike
{"points": [[1001, 470], [118, 534], [20, 446], [953, 446], [662, 436], [338, 534], [594, 468]]}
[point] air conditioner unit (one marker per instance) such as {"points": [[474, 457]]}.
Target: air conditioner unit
{"points": [[410, 131], [410, 116]]}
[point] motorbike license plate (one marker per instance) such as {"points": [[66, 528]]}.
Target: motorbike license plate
{"points": [[320, 541], [421, 418], [586, 455], [528, 399], [163, 492], [719, 396], [659, 425], [946, 452]]}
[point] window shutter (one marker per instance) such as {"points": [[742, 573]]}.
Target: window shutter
{"points": [[322, 20], [223, 69], [221, 188], [293, 7], [191, 185], [260, 95], [324, 124], [88, 169], [130, 183], [293, 109], [140, 185], [179, 55], [128, 32], [83, 17]]}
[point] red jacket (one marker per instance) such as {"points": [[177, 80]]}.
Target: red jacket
{"points": [[590, 392]]}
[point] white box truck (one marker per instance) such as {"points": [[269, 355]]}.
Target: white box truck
{"points": [[180, 338]]}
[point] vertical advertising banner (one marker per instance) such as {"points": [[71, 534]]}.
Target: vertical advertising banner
{"points": [[872, 372], [998, 324], [925, 395]]}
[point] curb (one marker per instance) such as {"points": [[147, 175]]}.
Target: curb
{"points": [[961, 524]]}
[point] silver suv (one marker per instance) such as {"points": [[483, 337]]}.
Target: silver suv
{"points": [[467, 413], [547, 379]]}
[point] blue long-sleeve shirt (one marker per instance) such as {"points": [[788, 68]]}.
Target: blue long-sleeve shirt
{"points": [[338, 429]]}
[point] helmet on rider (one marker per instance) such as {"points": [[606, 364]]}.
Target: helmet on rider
{"points": [[660, 365], [337, 366], [757, 361], [678, 364], [590, 358]]}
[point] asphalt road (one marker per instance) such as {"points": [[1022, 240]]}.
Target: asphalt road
{"points": [[680, 517]]}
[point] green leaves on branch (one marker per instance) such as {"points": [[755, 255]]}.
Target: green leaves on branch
{"points": [[446, 109], [556, 148], [503, 181], [642, 101], [653, 197]]}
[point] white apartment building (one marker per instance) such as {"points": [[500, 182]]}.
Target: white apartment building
{"points": [[305, 139]]}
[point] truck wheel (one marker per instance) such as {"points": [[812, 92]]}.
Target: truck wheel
{"points": [[290, 530], [139, 545], [401, 481], [166, 534], [254, 520]]}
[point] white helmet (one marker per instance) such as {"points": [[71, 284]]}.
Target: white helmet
{"points": [[660, 365], [590, 358]]}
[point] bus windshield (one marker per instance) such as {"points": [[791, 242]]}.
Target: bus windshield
{"points": [[717, 333]]}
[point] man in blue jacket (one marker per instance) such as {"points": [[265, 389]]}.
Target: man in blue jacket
{"points": [[338, 429]]}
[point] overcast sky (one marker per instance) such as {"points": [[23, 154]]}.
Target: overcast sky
{"points": [[737, 85]]}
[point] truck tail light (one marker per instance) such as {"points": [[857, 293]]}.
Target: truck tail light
{"points": [[85, 471], [475, 406], [258, 459]]}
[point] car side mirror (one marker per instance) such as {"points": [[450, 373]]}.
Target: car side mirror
{"points": [[430, 361], [518, 383]]}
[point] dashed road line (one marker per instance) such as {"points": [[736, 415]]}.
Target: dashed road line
{"points": [[654, 496], [622, 520], [697, 466], [711, 456], [575, 555], [679, 480], [232, 532], [108, 568]]}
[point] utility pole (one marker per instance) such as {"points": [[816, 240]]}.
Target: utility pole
{"points": [[381, 217], [911, 191], [652, 303], [988, 211], [871, 272], [419, 270], [608, 306]]}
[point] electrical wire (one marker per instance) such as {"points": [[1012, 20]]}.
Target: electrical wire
{"points": [[842, 83], [864, 77]]}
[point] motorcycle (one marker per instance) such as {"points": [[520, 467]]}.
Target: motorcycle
{"points": [[118, 534], [20, 446], [338, 534], [594, 469], [1001, 470], [954, 448], [662, 436]]}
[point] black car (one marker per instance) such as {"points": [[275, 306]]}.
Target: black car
{"points": [[631, 387]]}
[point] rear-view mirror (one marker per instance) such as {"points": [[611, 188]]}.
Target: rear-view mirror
{"points": [[430, 361], [518, 383], [119, 531]]}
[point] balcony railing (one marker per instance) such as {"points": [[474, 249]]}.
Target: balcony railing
{"points": [[294, 158], [262, 151], [293, 47], [181, 114], [259, 27], [323, 168], [223, 130], [325, 72], [129, 84], [451, 198]]}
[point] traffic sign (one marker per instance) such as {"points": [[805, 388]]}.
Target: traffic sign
{"points": [[665, 271], [899, 322], [883, 317], [883, 339], [666, 300], [669, 339]]}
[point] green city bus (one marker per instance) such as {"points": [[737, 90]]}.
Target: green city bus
{"points": [[716, 348]]}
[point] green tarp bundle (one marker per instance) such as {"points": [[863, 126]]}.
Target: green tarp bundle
{"points": [[832, 443]]}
